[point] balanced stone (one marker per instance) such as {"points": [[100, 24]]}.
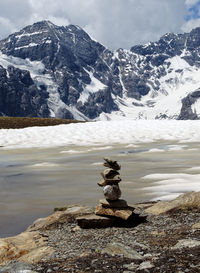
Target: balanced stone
{"points": [[109, 174], [114, 181], [120, 203], [111, 164], [124, 214], [112, 192]]}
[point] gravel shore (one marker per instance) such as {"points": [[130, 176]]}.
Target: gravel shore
{"points": [[85, 250], [168, 242]]}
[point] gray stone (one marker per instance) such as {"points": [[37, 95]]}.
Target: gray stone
{"points": [[146, 265], [17, 267], [120, 249], [186, 243], [131, 266], [112, 192]]}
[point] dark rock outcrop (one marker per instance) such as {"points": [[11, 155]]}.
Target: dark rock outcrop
{"points": [[19, 96], [69, 75]]}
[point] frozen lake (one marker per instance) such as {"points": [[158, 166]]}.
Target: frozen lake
{"points": [[34, 181], [47, 167]]}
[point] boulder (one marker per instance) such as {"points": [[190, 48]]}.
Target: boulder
{"points": [[187, 200], [29, 247]]}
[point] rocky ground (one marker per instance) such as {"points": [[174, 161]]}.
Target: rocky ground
{"points": [[167, 241]]}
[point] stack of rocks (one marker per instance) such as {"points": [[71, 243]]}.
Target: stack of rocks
{"points": [[111, 179], [112, 205], [111, 211]]}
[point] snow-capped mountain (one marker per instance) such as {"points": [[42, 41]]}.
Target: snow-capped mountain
{"points": [[52, 71]]}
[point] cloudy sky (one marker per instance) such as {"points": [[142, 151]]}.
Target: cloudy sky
{"points": [[115, 23]]}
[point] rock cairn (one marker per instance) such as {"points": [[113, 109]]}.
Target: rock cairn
{"points": [[111, 179], [111, 211], [112, 205]]}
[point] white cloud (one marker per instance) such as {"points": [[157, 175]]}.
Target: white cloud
{"points": [[6, 27], [115, 23], [191, 2], [188, 26]]}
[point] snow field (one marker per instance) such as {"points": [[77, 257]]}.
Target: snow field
{"points": [[102, 133]]}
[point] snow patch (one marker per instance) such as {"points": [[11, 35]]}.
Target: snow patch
{"points": [[26, 46], [94, 86]]}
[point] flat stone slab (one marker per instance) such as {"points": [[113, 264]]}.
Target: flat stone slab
{"points": [[94, 221], [120, 203], [120, 249], [186, 243], [116, 212]]}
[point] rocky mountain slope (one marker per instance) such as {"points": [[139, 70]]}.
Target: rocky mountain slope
{"points": [[52, 71]]}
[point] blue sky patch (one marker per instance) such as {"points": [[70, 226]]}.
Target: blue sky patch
{"points": [[193, 12]]}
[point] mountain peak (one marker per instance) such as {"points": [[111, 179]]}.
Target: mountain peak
{"points": [[76, 77]]}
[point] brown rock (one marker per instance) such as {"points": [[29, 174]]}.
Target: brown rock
{"points": [[59, 217], [158, 233], [29, 247], [117, 212], [94, 221], [187, 200], [106, 182], [111, 164], [109, 174], [120, 203], [102, 183], [196, 226]]}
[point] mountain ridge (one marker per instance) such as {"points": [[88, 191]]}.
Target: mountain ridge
{"points": [[69, 75]]}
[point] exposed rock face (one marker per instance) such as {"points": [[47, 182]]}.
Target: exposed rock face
{"points": [[19, 94], [186, 111], [69, 75]]}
